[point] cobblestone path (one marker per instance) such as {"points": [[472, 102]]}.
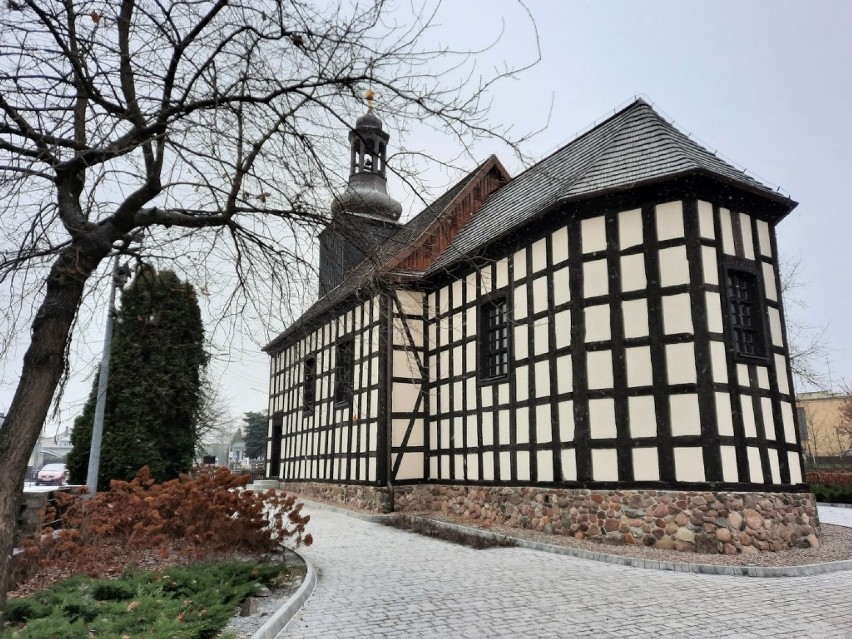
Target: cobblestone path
{"points": [[376, 581]]}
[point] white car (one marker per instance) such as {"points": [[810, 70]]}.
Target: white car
{"points": [[52, 475]]}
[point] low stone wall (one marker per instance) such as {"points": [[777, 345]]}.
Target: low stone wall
{"points": [[705, 522]]}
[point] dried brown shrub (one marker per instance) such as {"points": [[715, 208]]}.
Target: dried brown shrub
{"points": [[206, 515]]}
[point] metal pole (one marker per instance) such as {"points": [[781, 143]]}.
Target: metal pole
{"points": [[103, 380]]}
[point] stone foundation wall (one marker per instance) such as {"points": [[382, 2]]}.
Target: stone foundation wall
{"points": [[705, 522], [368, 498]]}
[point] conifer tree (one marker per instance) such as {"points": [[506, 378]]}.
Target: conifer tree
{"points": [[255, 430], [154, 392]]}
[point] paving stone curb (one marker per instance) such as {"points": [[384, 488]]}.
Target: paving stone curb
{"points": [[822, 503], [635, 562], [294, 603]]}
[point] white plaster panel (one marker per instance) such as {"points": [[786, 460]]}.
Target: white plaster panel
{"points": [[565, 415], [763, 238], [747, 408], [486, 281], [446, 430], [604, 464], [635, 316], [502, 278], [487, 428], [646, 464], [755, 469], [729, 464], [522, 380], [404, 397], [445, 466], [564, 374], [488, 467], [689, 464], [714, 313], [599, 365], [541, 342], [519, 302], [789, 423], [559, 240], [444, 365], [685, 416], [430, 304], [411, 302], [595, 278], [727, 232], [543, 428], [542, 379], [471, 393], [503, 393], [773, 466], [411, 466], [630, 228], [597, 323], [458, 361], [505, 466], [742, 375], [562, 328], [444, 398], [762, 376], [593, 232], [705, 220], [472, 462], [709, 265], [748, 240], [522, 424], [444, 330], [520, 344], [539, 255], [458, 463], [486, 396], [724, 416], [781, 374], [768, 422], [433, 467], [544, 464], [470, 349], [680, 363], [775, 326], [404, 364], [457, 293], [458, 395], [669, 220], [561, 286], [674, 269], [642, 415], [519, 264], [539, 290], [633, 272], [569, 465], [795, 467], [602, 418], [770, 289], [677, 314], [470, 432], [639, 371]]}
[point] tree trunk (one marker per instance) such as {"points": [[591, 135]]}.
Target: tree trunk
{"points": [[44, 362]]}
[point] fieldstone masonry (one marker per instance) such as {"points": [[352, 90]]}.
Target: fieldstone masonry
{"points": [[689, 521]]}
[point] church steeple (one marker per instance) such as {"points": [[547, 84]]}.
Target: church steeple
{"points": [[367, 193], [364, 216]]}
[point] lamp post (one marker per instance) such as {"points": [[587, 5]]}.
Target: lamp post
{"points": [[120, 274]]}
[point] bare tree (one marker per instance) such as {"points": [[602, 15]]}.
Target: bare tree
{"points": [[806, 343], [198, 131]]}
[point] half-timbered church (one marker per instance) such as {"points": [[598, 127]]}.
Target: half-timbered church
{"points": [[594, 347]]}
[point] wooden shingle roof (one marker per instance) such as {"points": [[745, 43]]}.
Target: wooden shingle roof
{"points": [[635, 146]]}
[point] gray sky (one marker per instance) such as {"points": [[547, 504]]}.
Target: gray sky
{"points": [[765, 84]]}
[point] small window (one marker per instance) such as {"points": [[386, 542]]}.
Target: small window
{"points": [[309, 391], [493, 338], [343, 372], [745, 314]]}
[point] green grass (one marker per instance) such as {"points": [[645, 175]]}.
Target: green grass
{"points": [[193, 602]]}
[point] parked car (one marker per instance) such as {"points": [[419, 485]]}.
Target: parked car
{"points": [[52, 475]]}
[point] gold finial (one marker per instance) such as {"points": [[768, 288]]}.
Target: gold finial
{"points": [[369, 95]]}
